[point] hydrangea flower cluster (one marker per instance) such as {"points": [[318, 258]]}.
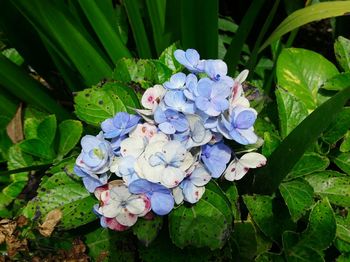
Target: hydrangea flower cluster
{"points": [[146, 163]]}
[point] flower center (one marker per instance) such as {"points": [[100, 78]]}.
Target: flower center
{"points": [[98, 152]]}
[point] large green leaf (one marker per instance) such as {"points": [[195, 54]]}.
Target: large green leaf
{"points": [[310, 162], [146, 73], [287, 154], [343, 162], [306, 15], [107, 245], [291, 111], [342, 52], [59, 29], [147, 230], [65, 193], [269, 214], [337, 82], [104, 28], [38, 148], [338, 128], [298, 195], [343, 227], [345, 145], [205, 224], [96, 104], [69, 132], [167, 58], [46, 130], [244, 237], [331, 185], [302, 72], [319, 235]]}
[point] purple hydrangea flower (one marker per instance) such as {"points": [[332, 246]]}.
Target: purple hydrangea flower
{"points": [[96, 154], [190, 59], [239, 127], [119, 125], [91, 181], [215, 157], [212, 97], [162, 201], [170, 121]]}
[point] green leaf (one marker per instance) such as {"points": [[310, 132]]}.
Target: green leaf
{"points": [[343, 162], [343, 258], [343, 227], [107, 245], [271, 142], [308, 163], [337, 82], [271, 217], [331, 185], [345, 145], [298, 195], [244, 236], [69, 132], [37, 148], [295, 144], [342, 52], [95, 104], [104, 28], [302, 72], [147, 230], [205, 224], [65, 193], [167, 58], [299, 253], [13, 55], [18, 159], [46, 130], [338, 128], [306, 15], [196, 32], [133, 9], [233, 196], [143, 72], [291, 111], [318, 236]]}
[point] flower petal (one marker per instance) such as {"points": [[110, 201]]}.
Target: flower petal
{"points": [[161, 203]]}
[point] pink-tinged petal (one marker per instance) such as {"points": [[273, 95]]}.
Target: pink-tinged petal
{"points": [[135, 205], [146, 211], [99, 190], [113, 224], [200, 176], [192, 193], [235, 171], [132, 146], [125, 218], [253, 160], [172, 177], [105, 196], [178, 196]]}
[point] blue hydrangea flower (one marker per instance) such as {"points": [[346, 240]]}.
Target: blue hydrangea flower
{"points": [[217, 71], [162, 201], [119, 125], [193, 187], [91, 181], [215, 157], [212, 97], [124, 167], [96, 154], [239, 127], [176, 100], [170, 121], [176, 82], [196, 135], [189, 59]]}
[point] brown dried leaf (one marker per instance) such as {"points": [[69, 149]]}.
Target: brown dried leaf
{"points": [[22, 221], [14, 245], [51, 220], [15, 127], [7, 227]]}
